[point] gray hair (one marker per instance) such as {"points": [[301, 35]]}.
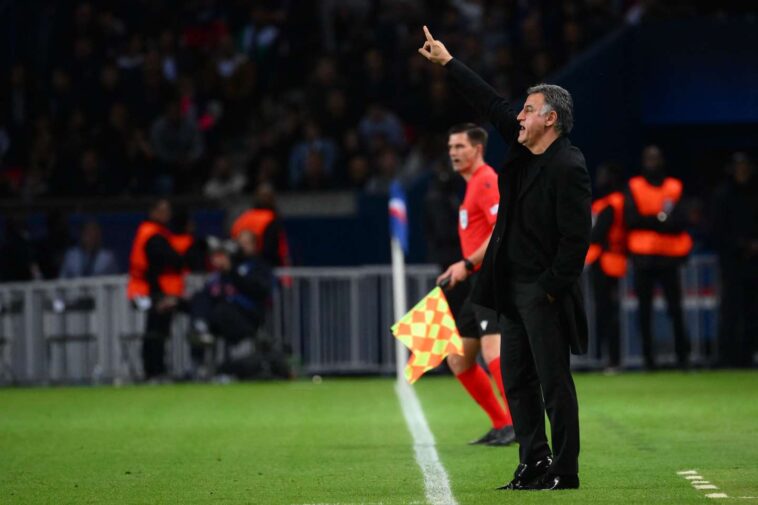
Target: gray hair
{"points": [[559, 100]]}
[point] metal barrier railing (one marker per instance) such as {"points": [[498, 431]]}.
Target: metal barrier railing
{"points": [[700, 303], [336, 320]]}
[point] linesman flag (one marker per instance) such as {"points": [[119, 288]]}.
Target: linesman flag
{"points": [[429, 331]]}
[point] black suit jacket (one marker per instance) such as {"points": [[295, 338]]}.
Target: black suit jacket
{"points": [[553, 217]]}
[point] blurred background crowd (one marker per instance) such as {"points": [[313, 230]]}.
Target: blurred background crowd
{"points": [[207, 97], [120, 100]]}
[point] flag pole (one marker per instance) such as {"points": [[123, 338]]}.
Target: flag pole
{"points": [[400, 303]]}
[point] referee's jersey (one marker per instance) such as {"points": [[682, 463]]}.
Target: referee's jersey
{"points": [[478, 212]]}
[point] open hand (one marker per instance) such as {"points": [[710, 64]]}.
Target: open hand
{"points": [[434, 50]]}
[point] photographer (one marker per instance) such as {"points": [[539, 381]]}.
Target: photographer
{"points": [[231, 306]]}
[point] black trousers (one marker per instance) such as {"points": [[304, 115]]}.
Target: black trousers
{"points": [[645, 278], [226, 320], [535, 359], [157, 331], [607, 321], [738, 324]]}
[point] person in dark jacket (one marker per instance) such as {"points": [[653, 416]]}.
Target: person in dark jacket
{"points": [[157, 268], [232, 304], [531, 269], [735, 236], [607, 261]]}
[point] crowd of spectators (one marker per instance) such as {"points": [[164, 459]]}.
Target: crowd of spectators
{"points": [[208, 97]]}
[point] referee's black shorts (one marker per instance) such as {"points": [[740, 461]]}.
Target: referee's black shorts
{"points": [[472, 320]]}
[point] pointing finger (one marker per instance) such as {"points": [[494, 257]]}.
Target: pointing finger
{"points": [[428, 34]]}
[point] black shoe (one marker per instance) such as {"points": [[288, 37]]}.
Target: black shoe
{"points": [[504, 436], [527, 475], [556, 482], [486, 438]]}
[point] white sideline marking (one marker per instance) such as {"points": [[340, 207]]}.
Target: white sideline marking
{"points": [[699, 483], [436, 482]]}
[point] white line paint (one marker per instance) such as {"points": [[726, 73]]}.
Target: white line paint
{"points": [[435, 478], [698, 482]]}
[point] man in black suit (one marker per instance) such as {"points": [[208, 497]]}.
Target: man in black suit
{"points": [[531, 269]]}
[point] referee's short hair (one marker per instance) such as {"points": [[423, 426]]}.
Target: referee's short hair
{"points": [[475, 133]]}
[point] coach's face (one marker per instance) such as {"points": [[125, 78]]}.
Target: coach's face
{"points": [[533, 124], [463, 154]]}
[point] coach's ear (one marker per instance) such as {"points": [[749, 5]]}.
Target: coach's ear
{"points": [[551, 118]]}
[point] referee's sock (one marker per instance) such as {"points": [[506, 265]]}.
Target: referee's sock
{"points": [[477, 383], [497, 374]]}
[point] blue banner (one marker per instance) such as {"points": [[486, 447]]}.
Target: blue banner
{"points": [[398, 215]]}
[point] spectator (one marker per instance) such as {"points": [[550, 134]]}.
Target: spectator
{"points": [[735, 234], [18, 260], [177, 143], [225, 182], [379, 123], [89, 258], [93, 177], [50, 248], [387, 166], [311, 164], [358, 172]]}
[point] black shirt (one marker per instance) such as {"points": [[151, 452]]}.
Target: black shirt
{"points": [[520, 264]]}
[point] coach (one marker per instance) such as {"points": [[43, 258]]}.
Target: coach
{"points": [[531, 269]]}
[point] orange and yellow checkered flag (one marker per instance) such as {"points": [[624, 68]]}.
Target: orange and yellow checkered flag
{"points": [[429, 331]]}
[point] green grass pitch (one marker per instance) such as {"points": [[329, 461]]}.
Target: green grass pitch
{"points": [[345, 441]]}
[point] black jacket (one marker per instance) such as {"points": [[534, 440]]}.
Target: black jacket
{"points": [[551, 209]]}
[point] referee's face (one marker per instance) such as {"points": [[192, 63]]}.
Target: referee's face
{"points": [[463, 154]]}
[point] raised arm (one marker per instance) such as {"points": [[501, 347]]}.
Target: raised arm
{"points": [[480, 95]]}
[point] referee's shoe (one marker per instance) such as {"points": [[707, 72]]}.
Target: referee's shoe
{"points": [[497, 437]]}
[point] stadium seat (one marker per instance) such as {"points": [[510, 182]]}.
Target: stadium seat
{"points": [[62, 309]]}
